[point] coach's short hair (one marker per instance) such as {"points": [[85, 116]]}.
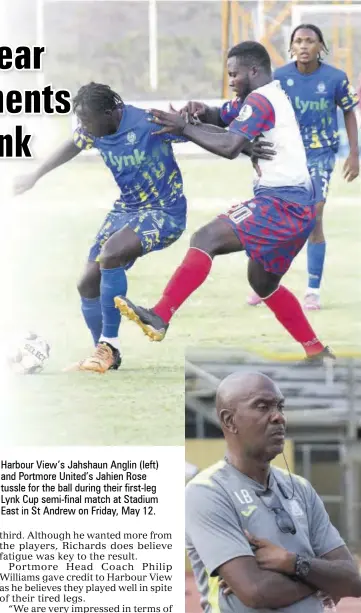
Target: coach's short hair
{"points": [[251, 53]]}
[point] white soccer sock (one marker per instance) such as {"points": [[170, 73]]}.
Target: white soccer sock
{"points": [[313, 290], [114, 342]]}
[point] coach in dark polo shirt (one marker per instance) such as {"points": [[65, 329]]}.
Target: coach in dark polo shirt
{"points": [[266, 533]]}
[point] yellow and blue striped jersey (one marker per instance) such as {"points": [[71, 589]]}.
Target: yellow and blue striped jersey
{"points": [[315, 98], [142, 163]]}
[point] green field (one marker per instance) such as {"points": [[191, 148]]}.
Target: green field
{"points": [[51, 229]]}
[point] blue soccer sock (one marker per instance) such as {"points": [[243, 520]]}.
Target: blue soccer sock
{"points": [[92, 313], [315, 260], [113, 283]]}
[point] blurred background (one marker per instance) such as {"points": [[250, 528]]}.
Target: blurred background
{"points": [[323, 412], [171, 49]]}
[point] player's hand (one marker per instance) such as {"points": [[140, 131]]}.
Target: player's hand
{"points": [[224, 587], [194, 109], [171, 109], [263, 150], [172, 122], [24, 183], [351, 167], [272, 557]]}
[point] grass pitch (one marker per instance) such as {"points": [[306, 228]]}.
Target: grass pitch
{"points": [[49, 231]]}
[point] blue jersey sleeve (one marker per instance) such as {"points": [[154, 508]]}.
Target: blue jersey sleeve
{"points": [[256, 116], [346, 97], [230, 110], [82, 139]]}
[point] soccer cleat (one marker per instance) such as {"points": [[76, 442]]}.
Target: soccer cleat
{"points": [[320, 359], [117, 362], [254, 300], [105, 357], [312, 302], [152, 325]]}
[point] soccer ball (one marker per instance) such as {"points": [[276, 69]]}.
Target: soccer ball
{"points": [[31, 354]]}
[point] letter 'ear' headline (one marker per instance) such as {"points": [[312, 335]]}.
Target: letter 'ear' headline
{"points": [[47, 101]]}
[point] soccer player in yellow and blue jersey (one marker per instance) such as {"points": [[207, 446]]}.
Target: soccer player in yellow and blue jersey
{"points": [[149, 215], [316, 91]]}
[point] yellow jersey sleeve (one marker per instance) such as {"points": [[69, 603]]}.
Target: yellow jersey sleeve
{"points": [[82, 140]]}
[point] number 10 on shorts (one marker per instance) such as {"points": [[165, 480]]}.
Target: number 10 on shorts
{"points": [[239, 213]]}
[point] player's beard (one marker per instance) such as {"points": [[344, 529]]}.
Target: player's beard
{"points": [[246, 89]]}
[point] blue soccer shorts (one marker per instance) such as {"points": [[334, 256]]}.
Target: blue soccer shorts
{"points": [[155, 228], [320, 166], [271, 230]]}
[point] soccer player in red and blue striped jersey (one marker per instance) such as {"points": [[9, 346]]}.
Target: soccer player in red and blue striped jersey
{"points": [[316, 91], [272, 227]]}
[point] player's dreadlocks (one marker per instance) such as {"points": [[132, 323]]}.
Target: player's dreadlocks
{"points": [[97, 97], [251, 53], [316, 30]]}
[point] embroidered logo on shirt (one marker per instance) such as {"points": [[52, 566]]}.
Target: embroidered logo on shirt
{"points": [[246, 112], [321, 88], [131, 137], [248, 512]]}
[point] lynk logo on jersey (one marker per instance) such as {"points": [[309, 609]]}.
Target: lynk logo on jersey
{"points": [[310, 105], [137, 158]]}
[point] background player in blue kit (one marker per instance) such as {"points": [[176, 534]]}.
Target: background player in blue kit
{"points": [[149, 215], [316, 90]]}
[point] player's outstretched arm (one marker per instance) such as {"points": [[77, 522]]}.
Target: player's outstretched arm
{"points": [[66, 152], [222, 143], [206, 114], [256, 150], [213, 116], [210, 127], [257, 116]]}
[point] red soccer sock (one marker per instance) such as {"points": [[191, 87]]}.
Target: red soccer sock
{"points": [[193, 271], [289, 313]]}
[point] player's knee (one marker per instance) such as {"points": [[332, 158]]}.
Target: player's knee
{"points": [[319, 214], [121, 249], [111, 256], [88, 286], [203, 239], [200, 239], [317, 235], [320, 208], [263, 285]]}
